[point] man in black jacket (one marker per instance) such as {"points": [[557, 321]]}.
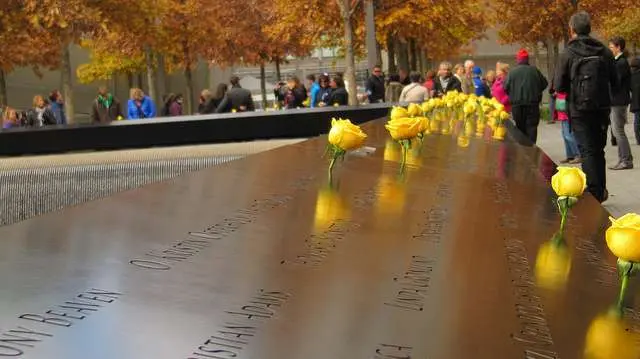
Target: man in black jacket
{"points": [[620, 100], [237, 98], [445, 81], [525, 85], [589, 97], [375, 86]]}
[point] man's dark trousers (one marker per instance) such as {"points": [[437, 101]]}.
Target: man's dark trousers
{"points": [[527, 118], [590, 131]]}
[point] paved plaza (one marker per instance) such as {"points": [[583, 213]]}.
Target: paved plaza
{"points": [[623, 186]]}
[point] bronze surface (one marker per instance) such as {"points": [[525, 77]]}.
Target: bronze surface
{"points": [[259, 258]]}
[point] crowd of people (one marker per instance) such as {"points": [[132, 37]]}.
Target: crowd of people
{"points": [[594, 87]]}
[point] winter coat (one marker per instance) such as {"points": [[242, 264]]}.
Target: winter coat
{"points": [[498, 91], [453, 85], [620, 96], [375, 89], [339, 97], [58, 112], [238, 99], [147, 109], [414, 93], [635, 91], [525, 85], [102, 114], [579, 47]]}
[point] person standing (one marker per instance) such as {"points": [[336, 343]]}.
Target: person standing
{"points": [[57, 107], [105, 107], [236, 98], [314, 89], [497, 89], [430, 82], [635, 96], [375, 86], [40, 115], [404, 77], [525, 85], [295, 94], [467, 77], [140, 105], [446, 81], [339, 95], [324, 93], [586, 72], [480, 88], [414, 93], [394, 89], [620, 99]]}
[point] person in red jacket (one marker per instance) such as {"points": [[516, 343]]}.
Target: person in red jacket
{"points": [[497, 89]]}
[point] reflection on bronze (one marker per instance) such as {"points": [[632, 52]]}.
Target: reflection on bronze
{"points": [[553, 263], [257, 258]]}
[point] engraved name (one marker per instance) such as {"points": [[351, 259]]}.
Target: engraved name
{"points": [[606, 274], [501, 192], [413, 285], [534, 330], [432, 229], [319, 246], [14, 342], [182, 250], [243, 324]]}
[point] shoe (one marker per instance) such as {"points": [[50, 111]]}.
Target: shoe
{"points": [[567, 160], [622, 166], [576, 161]]}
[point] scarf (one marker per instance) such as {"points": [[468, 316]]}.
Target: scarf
{"points": [[106, 101], [40, 114]]}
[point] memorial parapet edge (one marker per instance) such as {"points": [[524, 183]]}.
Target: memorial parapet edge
{"points": [[261, 258], [182, 130]]}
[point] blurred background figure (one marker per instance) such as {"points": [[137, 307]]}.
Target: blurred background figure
{"points": [[140, 105], [40, 115], [106, 108]]}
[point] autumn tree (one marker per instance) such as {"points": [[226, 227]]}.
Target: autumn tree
{"points": [[66, 21], [25, 45], [439, 28], [622, 20]]}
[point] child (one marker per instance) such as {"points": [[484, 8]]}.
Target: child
{"points": [[562, 115]]}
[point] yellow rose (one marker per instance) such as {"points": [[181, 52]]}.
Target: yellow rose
{"points": [[569, 182], [499, 133], [553, 265], [503, 115], [403, 128], [463, 141], [609, 338], [414, 110], [391, 195], [451, 103], [427, 106], [470, 107], [424, 124], [329, 207], [437, 102], [345, 135], [398, 112], [623, 237]]}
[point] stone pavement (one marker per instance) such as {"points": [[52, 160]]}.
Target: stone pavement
{"points": [[623, 186]]}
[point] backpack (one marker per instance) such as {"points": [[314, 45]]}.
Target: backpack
{"points": [[585, 81]]}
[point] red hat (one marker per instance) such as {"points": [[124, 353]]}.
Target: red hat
{"points": [[522, 55]]}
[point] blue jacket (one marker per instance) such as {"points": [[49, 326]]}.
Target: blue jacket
{"points": [[480, 88], [315, 90], [58, 112], [147, 109]]}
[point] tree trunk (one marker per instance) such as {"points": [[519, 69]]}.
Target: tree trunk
{"points": [[378, 53], [114, 88], [350, 73], [420, 55], [188, 76], [139, 81], [403, 55], [67, 86], [413, 55], [278, 75], [3, 89], [391, 55], [163, 81], [129, 81], [263, 86], [152, 79]]}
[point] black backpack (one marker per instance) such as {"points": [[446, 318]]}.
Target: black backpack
{"points": [[586, 79]]}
